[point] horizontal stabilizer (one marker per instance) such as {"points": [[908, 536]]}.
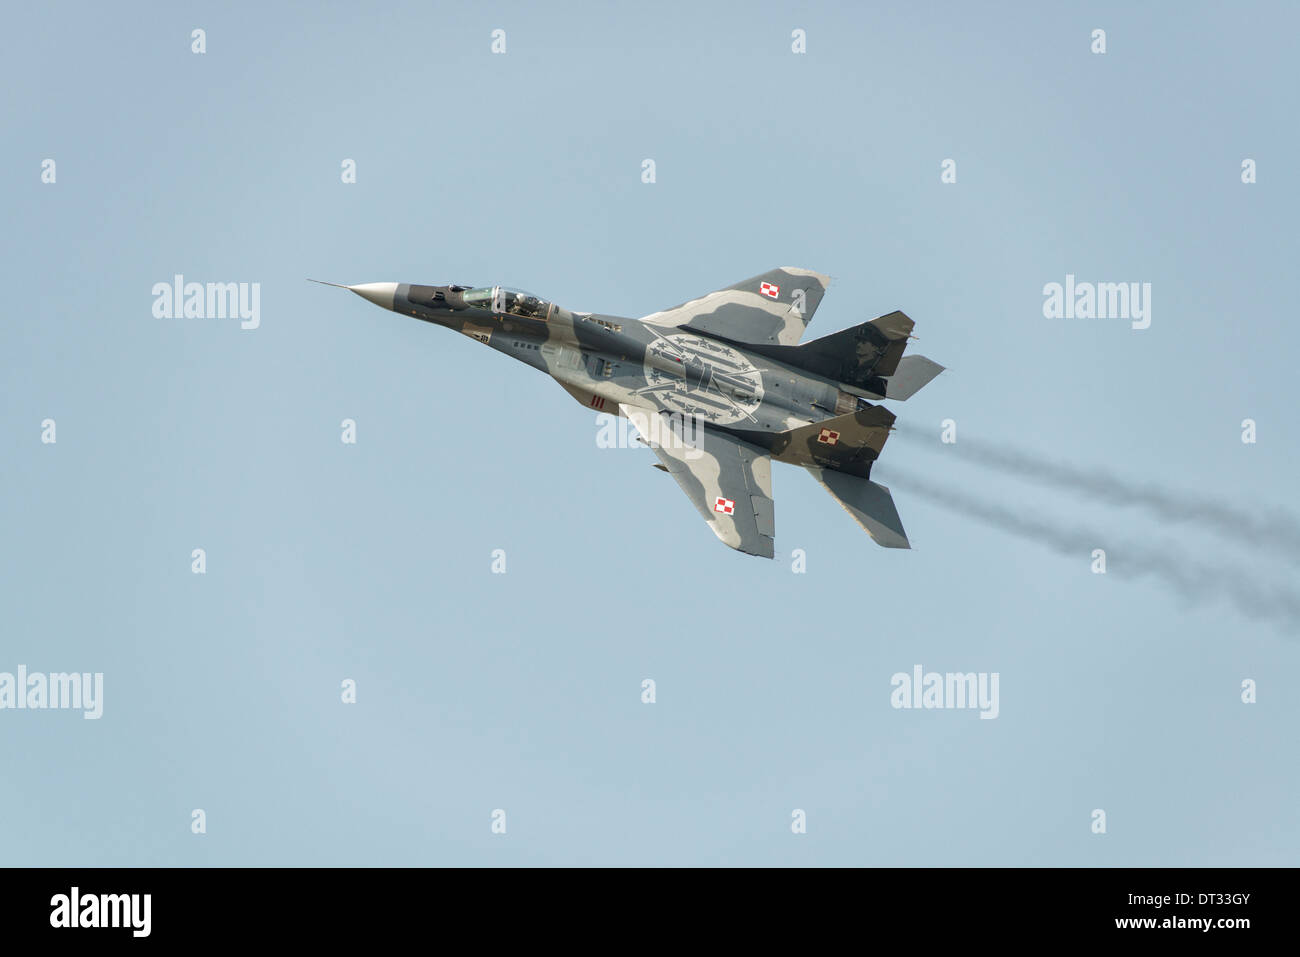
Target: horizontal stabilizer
{"points": [[870, 504], [912, 375]]}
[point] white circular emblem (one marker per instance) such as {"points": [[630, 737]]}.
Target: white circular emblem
{"points": [[701, 377]]}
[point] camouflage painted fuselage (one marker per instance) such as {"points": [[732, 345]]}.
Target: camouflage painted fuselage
{"points": [[607, 361], [729, 369]]}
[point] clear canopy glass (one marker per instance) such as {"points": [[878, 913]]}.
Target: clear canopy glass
{"points": [[513, 302]]}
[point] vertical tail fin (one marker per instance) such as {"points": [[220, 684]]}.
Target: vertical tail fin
{"points": [[868, 357], [849, 442]]}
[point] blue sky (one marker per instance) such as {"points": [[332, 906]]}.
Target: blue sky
{"points": [[522, 691]]}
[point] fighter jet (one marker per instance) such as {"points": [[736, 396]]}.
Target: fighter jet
{"points": [[718, 387]]}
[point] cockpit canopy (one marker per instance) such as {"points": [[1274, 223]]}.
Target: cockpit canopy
{"points": [[512, 302]]}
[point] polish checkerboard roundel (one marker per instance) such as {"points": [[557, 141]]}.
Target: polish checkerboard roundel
{"points": [[769, 289], [724, 505]]}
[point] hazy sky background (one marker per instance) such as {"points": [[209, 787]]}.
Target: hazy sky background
{"points": [[522, 691]]}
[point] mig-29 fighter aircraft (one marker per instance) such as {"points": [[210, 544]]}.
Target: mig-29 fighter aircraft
{"points": [[718, 387]]}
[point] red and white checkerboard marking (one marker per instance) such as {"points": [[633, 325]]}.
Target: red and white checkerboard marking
{"points": [[828, 436], [769, 289], [724, 505]]}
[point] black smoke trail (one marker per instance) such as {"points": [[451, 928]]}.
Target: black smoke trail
{"points": [[1190, 580], [1273, 528]]}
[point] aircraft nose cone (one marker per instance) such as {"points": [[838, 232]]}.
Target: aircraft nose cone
{"points": [[380, 293]]}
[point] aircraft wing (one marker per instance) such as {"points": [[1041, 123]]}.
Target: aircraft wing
{"points": [[771, 309], [727, 480]]}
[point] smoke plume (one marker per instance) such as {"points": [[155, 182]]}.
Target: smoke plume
{"points": [[1190, 580], [1273, 528]]}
